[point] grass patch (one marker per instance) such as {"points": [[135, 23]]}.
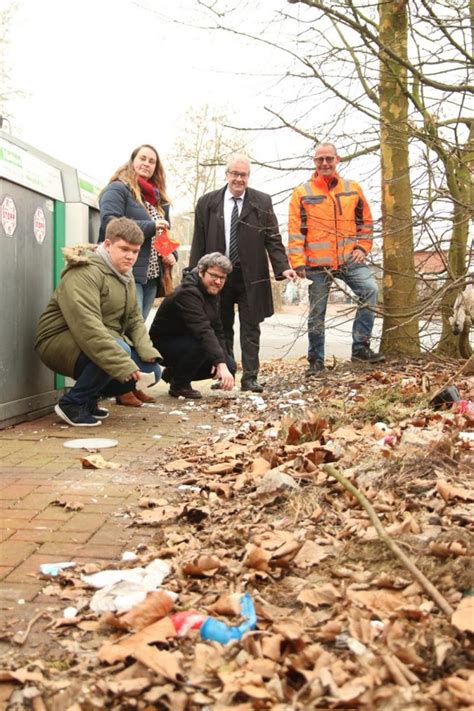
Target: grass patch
{"points": [[389, 405]]}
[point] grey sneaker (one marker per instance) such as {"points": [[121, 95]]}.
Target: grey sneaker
{"points": [[316, 367], [367, 355]]}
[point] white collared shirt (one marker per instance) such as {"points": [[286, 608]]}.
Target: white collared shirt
{"points": [[228, 207]]}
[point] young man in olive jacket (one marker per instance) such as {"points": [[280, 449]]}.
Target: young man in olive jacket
{"points": [[188, 332], [93, 330]]}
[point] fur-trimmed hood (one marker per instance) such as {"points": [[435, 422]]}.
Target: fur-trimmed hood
{"points": [[78, 254]]}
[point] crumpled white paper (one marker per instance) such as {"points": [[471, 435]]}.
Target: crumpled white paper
{"points": [[120, 590]]}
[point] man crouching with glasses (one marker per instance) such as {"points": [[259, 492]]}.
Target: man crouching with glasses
{"points": [[188, 332]]}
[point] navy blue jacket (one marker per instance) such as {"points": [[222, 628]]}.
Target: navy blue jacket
{"points": [[116, 200]]}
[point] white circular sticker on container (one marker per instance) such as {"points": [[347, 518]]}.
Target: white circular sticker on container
{"points": [[39, 225], [8, 215]]}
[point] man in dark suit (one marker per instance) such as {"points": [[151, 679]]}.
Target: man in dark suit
{"points": [[239, 222]]}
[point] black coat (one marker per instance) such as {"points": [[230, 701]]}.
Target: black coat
{"points": [[258, 235], [116, 200], [191, 310]]}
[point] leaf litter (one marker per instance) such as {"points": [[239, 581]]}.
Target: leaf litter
{"points": [[341, 622]]}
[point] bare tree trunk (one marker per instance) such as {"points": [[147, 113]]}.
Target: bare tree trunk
{"points": [[461, 187], [400, 324]]}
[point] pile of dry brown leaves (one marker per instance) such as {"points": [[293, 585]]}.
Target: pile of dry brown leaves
{"points": [[341, 622]]}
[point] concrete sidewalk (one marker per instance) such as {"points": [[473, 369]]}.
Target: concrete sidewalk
{"points": [[37, 470]]}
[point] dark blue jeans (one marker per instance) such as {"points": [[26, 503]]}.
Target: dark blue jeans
{"points": [[92, 382], [362, 282], [186, 359]]}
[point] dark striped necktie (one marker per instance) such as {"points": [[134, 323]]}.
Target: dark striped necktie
{"points": [[233, 246]]}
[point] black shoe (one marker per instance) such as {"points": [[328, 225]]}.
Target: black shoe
{"points": [[76, 416], [100, 413], [315, 367], [367, 355], [184, 390], [251, 384]]}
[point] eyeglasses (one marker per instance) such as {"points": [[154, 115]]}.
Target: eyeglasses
{"points": [[217, 277], [235, 174], [325, 159]]}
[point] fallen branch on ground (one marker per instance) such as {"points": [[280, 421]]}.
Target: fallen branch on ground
{"points": [[429, 588]]}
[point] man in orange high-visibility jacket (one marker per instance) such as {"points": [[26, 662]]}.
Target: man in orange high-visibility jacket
{"points": [[330, 235]]}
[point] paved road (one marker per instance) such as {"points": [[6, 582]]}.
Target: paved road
{"points": [[284, 334]]}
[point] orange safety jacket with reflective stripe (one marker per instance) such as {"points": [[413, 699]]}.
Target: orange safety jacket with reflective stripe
{"points": [[327, 221]]}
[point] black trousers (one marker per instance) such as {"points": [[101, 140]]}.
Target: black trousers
{"points": [[186, 359], [234, 293]]}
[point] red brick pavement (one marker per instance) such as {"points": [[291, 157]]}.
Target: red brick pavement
{"points": [[36, 470]]}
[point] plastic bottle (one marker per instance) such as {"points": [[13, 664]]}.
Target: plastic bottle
{"points": [[218, 631]]}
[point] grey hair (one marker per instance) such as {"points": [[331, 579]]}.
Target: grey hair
{"points": [[237, 158], [326, 143], [214, 259]]}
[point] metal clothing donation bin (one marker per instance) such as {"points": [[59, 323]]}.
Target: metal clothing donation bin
{"points": [[37, 196]]}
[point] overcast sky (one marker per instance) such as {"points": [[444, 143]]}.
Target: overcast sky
{"points": [[99, 77]]}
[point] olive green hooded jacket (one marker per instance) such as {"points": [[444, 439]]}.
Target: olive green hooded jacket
{"points": [[89, 310]]}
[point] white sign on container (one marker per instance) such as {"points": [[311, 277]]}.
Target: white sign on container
{"points": [[39, 225], [24, 168], [8, 215]]}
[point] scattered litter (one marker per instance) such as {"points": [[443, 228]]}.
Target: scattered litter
{"points": [[377, 624], [215, 630], [54, 569], [356, 647], [70, 613], [445, 398], [97, 461], [186, 621], [465, 407], [274, 480], [189, 487], [179, 413], [205, 427], [292, 393], [120, 590], [91, 444], [129, 555], [466, 436], [258, 402], [69, 505], [145, 380], [381, 429], [157, 436]]}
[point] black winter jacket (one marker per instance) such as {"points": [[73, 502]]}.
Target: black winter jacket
{"points": [[116, 200], [191, 310]]}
